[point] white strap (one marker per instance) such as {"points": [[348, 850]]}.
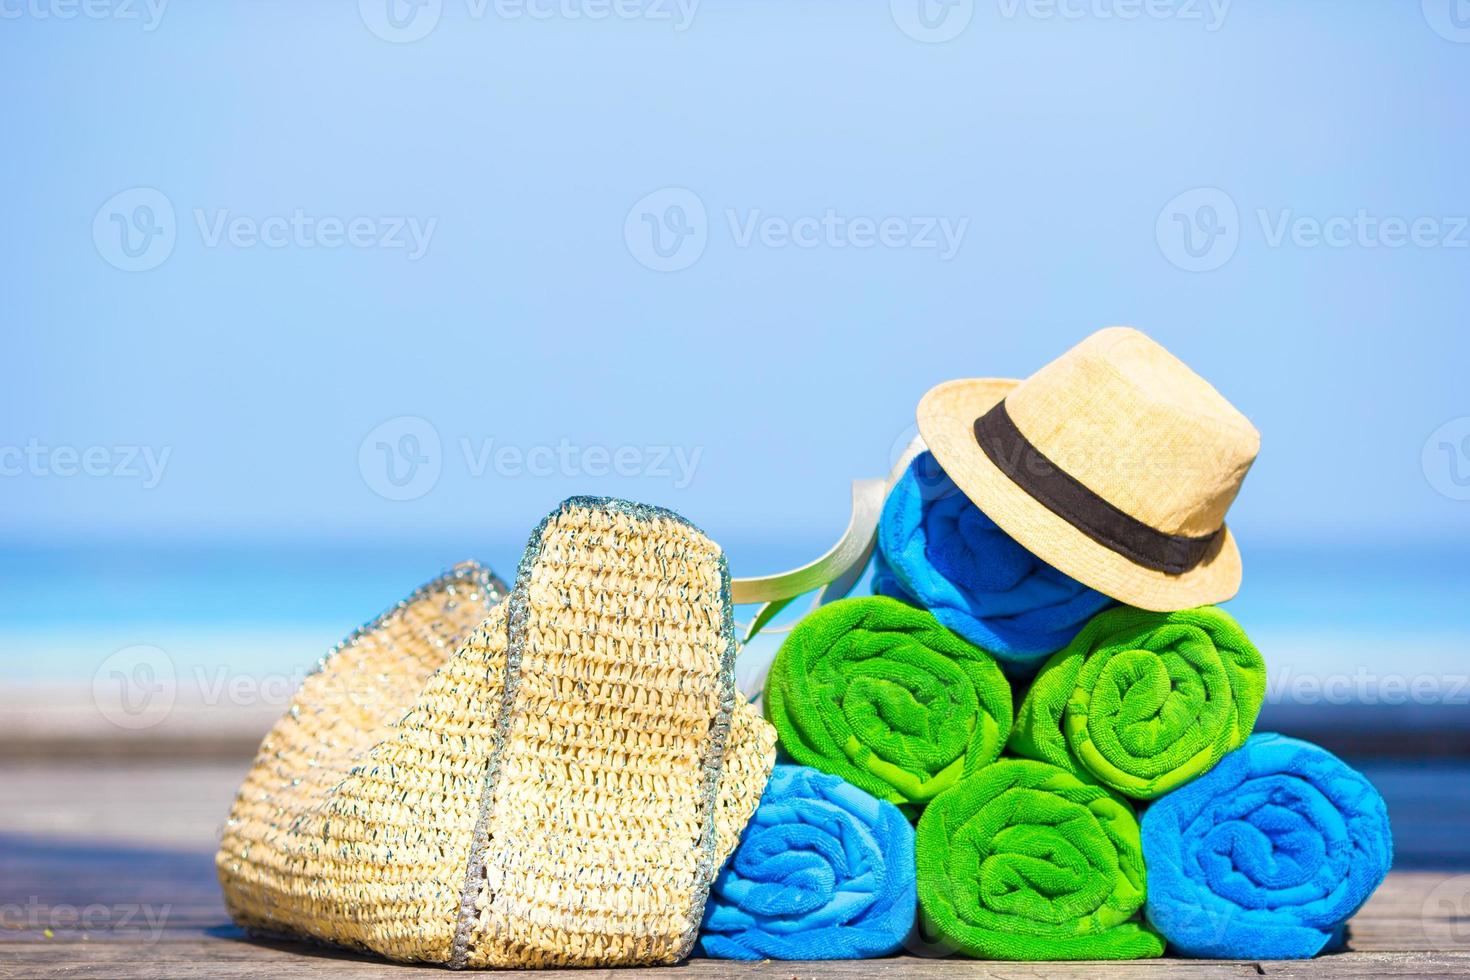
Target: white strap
{"points": [[833, 575]]}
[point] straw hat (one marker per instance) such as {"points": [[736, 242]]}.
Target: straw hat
{"points": [[555, 786], [1115, 463]]}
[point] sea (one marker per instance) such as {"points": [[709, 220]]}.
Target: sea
{"points": [[1382, 625]]}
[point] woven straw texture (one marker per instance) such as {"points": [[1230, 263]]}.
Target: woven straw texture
{"points": [[599, 838], [560, 792], [321, 841]]}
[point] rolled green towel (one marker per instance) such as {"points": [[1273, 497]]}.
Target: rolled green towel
{"points": [[1144, 702], [1026, 861], [883, 695]]}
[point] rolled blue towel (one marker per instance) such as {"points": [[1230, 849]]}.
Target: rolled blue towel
{"points": [[1267, 855], [937, 550], [824, 871]]}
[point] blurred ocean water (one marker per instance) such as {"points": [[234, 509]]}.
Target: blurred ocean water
{"points": [[1381, 625]]}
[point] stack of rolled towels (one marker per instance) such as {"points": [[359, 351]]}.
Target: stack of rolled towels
{"points": [[988, 758]]}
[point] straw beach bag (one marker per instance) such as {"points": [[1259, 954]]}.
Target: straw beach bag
{"points": [[552, 780]]}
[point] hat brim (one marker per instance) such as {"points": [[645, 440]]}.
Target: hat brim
{"points": [[946, 419]]}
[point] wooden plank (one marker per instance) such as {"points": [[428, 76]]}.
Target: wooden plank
{"points": [[240, 961], [177, 806], [125, 882], [1418, 923]]}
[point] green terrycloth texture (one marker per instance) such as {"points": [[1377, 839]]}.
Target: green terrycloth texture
{"points": [[881, 694], [1144, 702], [1026, 861]]}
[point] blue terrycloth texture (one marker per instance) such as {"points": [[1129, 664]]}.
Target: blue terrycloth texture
{"points": [[937, 550], [1267, 855], [824, 872]]}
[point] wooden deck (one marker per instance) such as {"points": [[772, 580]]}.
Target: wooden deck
{"points": [[106, 872]]}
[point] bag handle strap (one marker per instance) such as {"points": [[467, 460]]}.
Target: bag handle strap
{"points": [[835, 573]]}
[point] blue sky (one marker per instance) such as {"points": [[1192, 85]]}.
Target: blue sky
{"points": [[451, 239]]}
